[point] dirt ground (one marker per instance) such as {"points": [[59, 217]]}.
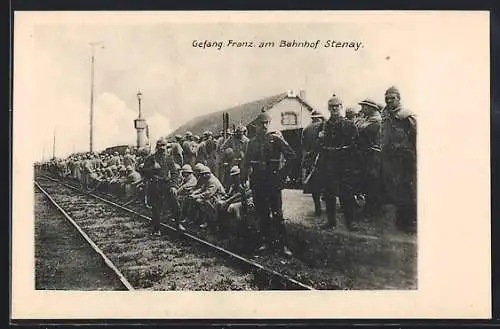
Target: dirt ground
{"points": [[374, 256], [298, 208], [61, 255]]}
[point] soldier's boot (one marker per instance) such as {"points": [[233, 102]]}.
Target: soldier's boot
{"points": [[264, 231], [283, 240], [349, 209], [317, 204], [331, 212]]}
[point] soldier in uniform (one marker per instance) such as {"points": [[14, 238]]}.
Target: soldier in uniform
{"points": [[189, 149], [177, 151], [237, 143], [187, 211], [310, 153], [399, 159], [89, 166], [204, 197], [164, 179], [337, 140], [262, 164], [188, 183], [220, 139], [210, 146], [129, 159], [115, 160], [369, 147], [350, 114], [201, 152], [231, 206]]}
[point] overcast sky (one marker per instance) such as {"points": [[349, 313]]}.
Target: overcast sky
{"points": [[180, 82]]}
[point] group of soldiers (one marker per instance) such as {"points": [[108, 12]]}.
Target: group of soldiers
{"points": [[109, 173], [229, 177], [366, 158], [214, 181]]}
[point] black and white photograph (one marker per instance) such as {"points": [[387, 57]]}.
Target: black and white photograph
{"points": [[226, 152]]}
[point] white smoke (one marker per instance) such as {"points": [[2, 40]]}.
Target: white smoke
{"points": [[158, 126]]}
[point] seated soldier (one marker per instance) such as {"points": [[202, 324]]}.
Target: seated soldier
{"points": [[187, 210], [133, 183], [92, 180], [100, 175], [114, 174], [114, 181], [108, 174], [95, 178], [202, 201], [100, 179], [121, 181], [231, 205], [189, 182]]}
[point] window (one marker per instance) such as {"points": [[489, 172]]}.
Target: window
{"points": [[289, 118]]}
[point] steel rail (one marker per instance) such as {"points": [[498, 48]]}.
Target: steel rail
{"points": [[98, 250], [283, 278]]}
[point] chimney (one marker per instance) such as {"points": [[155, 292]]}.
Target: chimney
{"points": [[302, 94]]}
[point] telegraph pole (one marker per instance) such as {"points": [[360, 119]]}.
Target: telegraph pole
{"points": [[54, 146], [92, 60]]}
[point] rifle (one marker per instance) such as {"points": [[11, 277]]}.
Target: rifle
{"points": [[244, 208], [316, 160], [313, 170]]}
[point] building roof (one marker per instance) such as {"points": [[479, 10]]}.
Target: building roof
{"points": [[242, 114]]}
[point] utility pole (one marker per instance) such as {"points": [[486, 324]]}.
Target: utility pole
{"points": [[92, 60], [54, 146]]}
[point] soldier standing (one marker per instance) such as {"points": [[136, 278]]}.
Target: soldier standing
{"points": [[201, 152], [337, 141], [310, 152], [189, 149], [163, 176], [399, 158], [177, 151], [262, 163], [237, 144], [369, 148], [350, 114], [210, 146]]}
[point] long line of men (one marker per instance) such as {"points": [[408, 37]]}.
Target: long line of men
{"points": [[367, 157]]}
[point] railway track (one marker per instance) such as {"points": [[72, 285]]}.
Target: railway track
{"points": [[120, 236]]}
